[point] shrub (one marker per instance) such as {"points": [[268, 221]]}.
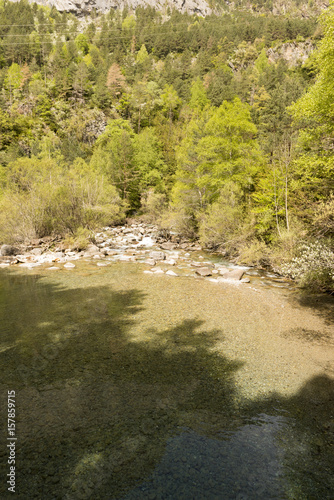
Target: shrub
{"points": [[323, 220], [179, 221], [153, 204], [285, 244], [254, 253], [42, 197], [313, 268], [220, 223], [80, 240]]}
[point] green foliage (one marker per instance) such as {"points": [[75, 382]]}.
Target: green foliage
{"points": [[323, 220], [196, 114], [219, 146], [153, 204], [220, 224], [42, 197], [79, 240], [198, 100]]}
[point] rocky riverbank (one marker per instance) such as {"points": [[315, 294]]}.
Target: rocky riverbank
{"points": [[134, 242]]}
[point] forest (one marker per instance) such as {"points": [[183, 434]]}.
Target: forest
{"points": [[199, 125]]}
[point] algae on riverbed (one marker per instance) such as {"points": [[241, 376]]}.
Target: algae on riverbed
{"points": [[138, 386]]}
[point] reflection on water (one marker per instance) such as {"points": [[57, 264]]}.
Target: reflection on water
{"points": [[121, 397], [240, 464]]}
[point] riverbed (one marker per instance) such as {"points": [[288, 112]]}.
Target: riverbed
{"points": [[132, 385]]}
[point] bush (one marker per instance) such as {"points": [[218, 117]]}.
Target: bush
{"points": [[284, 246], [254, 253], [220, 225], [323, 221], [180, 222], [42, 197], [313, 268], [80, 240], [153, 204]]}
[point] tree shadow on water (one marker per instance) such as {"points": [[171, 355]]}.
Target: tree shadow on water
{"points": [[103, 413]]}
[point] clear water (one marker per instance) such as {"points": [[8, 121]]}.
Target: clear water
{"points": [[123, 394]]}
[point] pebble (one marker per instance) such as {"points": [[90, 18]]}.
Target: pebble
{"points": [[69, 265]]}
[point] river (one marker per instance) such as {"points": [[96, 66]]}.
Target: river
{"points": [[141, 386]]}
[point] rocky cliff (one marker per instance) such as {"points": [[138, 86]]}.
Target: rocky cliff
{"points": [[200, 7]]}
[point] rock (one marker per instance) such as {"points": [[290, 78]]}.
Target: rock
{"points": [[204, 271], [52, 268], [171, 273], [293, 53], [157, 270], [168, 246], [234, 274], [150, 262], [8, 250], [30, 265], [9, 259], [36, 251], [91, 250], [214, 271], [223, 270], [157, 255], [171, 262], [245, 280], [69, 265], [97, 122], [126, 258]]}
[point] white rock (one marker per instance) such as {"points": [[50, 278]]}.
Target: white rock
{"points": [[147, 242], [171, 273], [29, 265], [69, 265], [52, 268], [126, 258], [157, 270]]}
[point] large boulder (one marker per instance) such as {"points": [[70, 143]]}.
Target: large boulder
{"points": [[91, 250], [234, 274], [168, 245], [204, 271], [6, 250]]}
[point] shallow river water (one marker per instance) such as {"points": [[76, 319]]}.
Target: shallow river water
{"points": [[137, 386]]}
